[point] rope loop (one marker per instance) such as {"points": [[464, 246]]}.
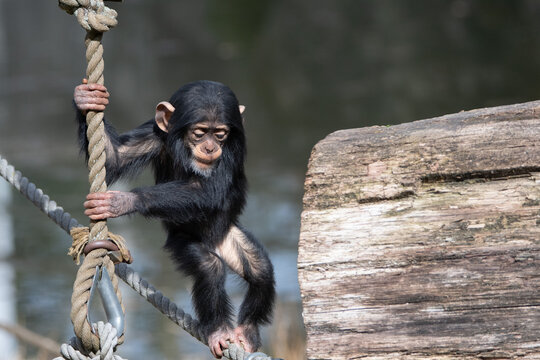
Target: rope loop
{"points": [[81, 295], [92, 15]]}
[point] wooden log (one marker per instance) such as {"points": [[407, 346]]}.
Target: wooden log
{"points": [[422, 240]]}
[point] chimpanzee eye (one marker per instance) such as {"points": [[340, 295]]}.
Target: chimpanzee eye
{"points": [[221, 135], [198, 133]]}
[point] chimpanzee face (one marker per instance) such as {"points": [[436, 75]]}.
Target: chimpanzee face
{"points": [[205, 139], [206, 129]]}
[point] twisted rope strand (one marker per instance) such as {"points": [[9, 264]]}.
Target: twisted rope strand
{"points": [[42, 201], [96, 130], [160, 302]]}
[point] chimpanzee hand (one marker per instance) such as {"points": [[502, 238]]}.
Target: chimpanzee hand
{"points": [[92, 97], [217, 341], [109, 204]]}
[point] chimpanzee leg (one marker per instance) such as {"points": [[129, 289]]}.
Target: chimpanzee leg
{"points": [[247, 257], [210, 299]]}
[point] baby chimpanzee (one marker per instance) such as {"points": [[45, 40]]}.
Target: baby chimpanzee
{"points": [[196, 146]]}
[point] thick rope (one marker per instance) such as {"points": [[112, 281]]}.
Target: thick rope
{"points": [[176, 314], [42, 201], [128, 275], [96, 18], [96, 130], [160, 302]]}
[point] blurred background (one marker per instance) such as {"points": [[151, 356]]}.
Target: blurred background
{"points": [[303, 68]]}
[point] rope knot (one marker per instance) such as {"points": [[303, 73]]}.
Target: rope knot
{"points": [[108, 340], [91, 14], [80, 245]]}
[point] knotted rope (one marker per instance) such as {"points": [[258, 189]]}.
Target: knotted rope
{"points": [[75, 349], [93, 15], [95, 18], [81, 237]]}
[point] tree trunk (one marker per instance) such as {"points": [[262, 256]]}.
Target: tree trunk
{"points": [[422, 240]]}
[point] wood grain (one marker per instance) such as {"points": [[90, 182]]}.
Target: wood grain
{"points": [[422, 240]]}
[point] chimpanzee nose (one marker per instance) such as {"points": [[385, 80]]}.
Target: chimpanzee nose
{"points": [[209, 148]]}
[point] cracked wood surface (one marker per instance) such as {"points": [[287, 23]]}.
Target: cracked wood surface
{"points": [[422, 240]]}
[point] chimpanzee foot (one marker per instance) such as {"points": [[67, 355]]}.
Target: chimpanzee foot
{"points": [[217, 341], [248, 336]]}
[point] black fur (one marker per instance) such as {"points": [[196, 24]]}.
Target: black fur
{"points": [[197, 211]]}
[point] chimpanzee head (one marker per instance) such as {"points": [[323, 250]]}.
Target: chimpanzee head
{"points": [[204, 123]]}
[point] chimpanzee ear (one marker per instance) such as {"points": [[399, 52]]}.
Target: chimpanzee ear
{"points": [[164, 111], [242, 108]]}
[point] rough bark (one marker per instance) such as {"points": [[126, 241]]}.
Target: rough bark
{"points": [[422, 240]]}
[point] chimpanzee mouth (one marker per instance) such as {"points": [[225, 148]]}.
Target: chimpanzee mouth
{"points": [[205, 160]]}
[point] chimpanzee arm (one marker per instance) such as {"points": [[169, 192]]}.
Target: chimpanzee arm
{"points": [[176, 202], [128, 153]]}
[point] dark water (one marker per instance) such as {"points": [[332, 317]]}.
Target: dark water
{"points": [[303, 68]]}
